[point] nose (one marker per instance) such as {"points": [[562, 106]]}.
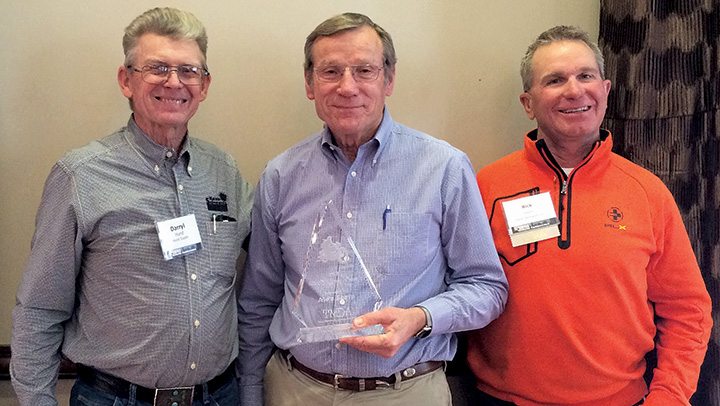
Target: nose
{"points": [[173, 80], [347, 84], [573, 88]]}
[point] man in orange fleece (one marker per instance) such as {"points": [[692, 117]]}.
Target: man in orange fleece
{"points": [[598, 261]]}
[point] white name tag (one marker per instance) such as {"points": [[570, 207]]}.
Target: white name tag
{"points": [[530, 219], [178, 236]]}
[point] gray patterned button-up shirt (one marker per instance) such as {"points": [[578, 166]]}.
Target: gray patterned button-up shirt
{"points": [[97, 288]]}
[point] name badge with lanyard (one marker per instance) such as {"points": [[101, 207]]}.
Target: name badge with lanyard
{"points": [[530, 219], [178, 236]]}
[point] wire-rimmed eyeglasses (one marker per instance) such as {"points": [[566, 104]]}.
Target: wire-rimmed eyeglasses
{"points": [[361, 73], [189, 75]]}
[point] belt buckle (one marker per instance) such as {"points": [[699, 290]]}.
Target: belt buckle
{"points": [[382, 384], [336, 381], [180, 396]]}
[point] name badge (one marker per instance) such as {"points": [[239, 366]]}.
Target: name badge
{"points": [[178, 236], [530, 219]]}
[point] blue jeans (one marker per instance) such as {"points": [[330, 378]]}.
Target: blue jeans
{"points": [[83, 394]]}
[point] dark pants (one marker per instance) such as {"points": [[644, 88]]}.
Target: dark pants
{"points": [[480, 398], [84, 394]]}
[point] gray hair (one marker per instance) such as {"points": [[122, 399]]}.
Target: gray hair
{"points": [[344, 22], [558, 33], [167, 22]]}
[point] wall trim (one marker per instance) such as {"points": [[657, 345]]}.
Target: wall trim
{"points": [[67, 368]]}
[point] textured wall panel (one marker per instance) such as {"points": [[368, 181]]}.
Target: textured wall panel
{"points": [[663, 60]]}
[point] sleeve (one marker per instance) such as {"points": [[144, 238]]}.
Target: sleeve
{"points": [[682, 310], [245, 202], [46, 296], [477, 288], [260, 295]]}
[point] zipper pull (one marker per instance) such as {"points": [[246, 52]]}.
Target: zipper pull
{"points": [[563, 190]]}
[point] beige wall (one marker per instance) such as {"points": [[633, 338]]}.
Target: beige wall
{"points": [[457, 78]]}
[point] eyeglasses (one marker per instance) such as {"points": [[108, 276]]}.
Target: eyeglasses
{"points": [[361, 73], [189, 75]]}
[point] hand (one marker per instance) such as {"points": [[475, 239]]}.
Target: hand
{"points": [[399, 325]]}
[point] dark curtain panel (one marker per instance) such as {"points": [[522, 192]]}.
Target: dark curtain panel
{"points": [[662, 58]]}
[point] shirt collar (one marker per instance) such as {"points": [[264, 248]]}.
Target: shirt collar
{"points": [[600, 151], [382, 136], [155, 154]]}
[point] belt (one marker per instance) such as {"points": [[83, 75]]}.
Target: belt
{"points": [[121, 388], [364, 384]]}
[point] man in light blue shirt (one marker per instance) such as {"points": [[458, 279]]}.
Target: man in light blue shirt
{"points": [[394, 220]]}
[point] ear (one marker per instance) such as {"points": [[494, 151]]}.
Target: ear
{"points": [[606, 83], [390, 82], [309, 91], [526, 101], [205, 87], [123, 78]]}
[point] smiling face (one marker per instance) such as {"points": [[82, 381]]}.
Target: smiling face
{"points": [[352, 110], [164, 109], [568, 96]]}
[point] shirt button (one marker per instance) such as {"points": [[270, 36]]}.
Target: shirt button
{"points": [[193, 276], [168, 154], [353, 174], [197, 323], [193, 366], [189, 168], [181, 187], [157, 168], [349, 214]]}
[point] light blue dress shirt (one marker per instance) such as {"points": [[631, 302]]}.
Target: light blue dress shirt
{"points": [[433, 248]]}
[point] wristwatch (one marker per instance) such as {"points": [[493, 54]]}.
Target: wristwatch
{"points": [[427, 328]]}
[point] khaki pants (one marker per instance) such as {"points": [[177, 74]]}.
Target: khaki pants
{"points": [[285, 387]]}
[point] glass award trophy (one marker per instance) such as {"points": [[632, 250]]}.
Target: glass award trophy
{"points": [[336, 284]]}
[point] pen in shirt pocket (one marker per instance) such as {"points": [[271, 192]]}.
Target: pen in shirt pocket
{"points": [[220, 218], [385, 214]]}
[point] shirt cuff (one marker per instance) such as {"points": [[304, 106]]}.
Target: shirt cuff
{"points": [[662, 398]]}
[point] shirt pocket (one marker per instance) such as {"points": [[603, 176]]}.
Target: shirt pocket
{"points": [[222, 243], [404, 245], [508, 254]]}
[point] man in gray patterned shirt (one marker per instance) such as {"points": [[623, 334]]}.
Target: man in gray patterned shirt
{"points": [[133, 263]]}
